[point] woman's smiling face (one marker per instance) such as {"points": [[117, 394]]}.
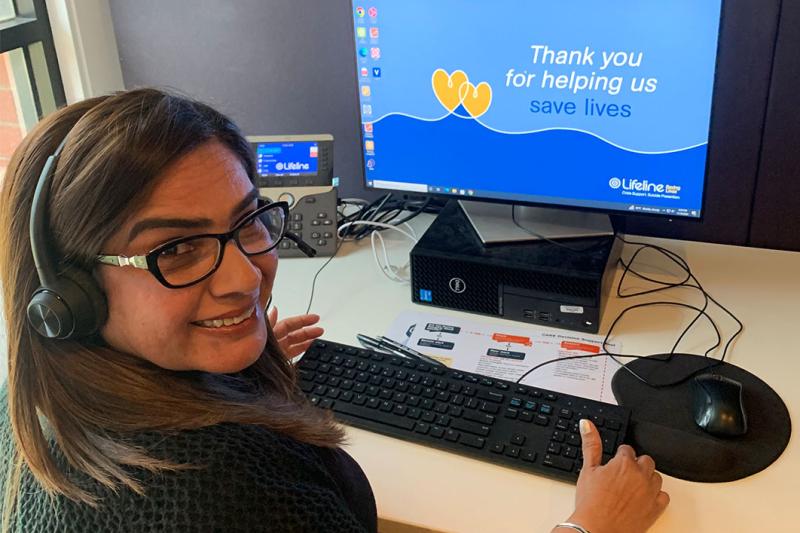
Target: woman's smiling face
{"points": [[206, 191]]}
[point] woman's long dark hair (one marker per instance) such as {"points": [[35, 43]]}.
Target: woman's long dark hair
{"points": [[80, 393]]}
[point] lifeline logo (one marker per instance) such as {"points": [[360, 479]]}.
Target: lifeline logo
{"points": [[643, 186], [292, 166]]}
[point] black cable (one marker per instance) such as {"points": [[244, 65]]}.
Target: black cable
{"points": [[662, 357], [377, 211], [314, 281]]}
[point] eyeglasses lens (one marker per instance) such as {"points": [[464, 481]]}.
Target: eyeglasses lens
{"points": [[191, 260]]}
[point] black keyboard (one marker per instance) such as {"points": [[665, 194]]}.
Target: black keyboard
{"points": [[485, 418]]}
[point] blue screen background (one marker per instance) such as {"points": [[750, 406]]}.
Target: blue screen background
{"points": [[286, 159], [510, 152]]}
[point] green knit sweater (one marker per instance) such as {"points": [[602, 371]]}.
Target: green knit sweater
{"points": [[252, 479]]}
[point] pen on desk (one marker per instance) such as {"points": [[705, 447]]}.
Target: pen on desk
{"points": [[373, 344], [409, 352]]}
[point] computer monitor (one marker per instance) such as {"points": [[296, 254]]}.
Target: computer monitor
{"points": [[599, 106]]}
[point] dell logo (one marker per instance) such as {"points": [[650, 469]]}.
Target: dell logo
{"points": [[457, 285]]}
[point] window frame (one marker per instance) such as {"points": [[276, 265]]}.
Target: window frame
{"points": [[31, 26]]}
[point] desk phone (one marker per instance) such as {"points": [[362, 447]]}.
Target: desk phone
{"points": [[298, 169]]}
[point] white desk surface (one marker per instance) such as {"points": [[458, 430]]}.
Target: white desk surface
{"points": [[432, 489]]}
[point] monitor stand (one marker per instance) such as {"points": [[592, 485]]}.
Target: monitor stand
{"points": [[493, 222]]}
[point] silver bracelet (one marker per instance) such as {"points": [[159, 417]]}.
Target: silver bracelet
{"points": [[570, 525]]}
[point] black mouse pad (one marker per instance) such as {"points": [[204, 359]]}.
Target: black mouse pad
{"points": [[663, 427]]}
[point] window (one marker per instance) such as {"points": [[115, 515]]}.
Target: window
{"points": [[30, 83]]}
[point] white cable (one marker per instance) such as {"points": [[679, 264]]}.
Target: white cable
{"points": [[411, 234], [387, 269]]}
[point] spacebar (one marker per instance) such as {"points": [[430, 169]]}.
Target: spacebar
{"points": [[374, 416]]}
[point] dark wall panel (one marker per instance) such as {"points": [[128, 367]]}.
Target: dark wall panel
{"points": [[776, 207], [274, 66], [747, 42]]}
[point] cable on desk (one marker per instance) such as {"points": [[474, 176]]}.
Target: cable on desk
{"points": [[663, 285]]}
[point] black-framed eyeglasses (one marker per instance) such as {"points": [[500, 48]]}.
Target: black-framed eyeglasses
{"points": [[188, 260]]}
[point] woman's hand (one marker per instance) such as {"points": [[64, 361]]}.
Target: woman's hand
{"points": [[296, 333], [622, 496]]}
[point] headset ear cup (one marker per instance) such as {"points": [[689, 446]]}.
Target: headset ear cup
{"points": [[72, 307], [89, 309]]}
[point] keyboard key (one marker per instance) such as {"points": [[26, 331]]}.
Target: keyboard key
{"points": [[529, 455], [470, 427], [518, 439], [327, 403], [480, 418], [561, 463], [473, 442], [375, 416], [491, 396], [497, 447], [491, 408], [452, 435], [512, 451]]}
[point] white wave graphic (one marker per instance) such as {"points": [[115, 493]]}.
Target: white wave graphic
{"points": [[607, 141]]}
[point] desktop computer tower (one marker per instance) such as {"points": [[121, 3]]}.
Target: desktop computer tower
{"points": [[536, 282]]}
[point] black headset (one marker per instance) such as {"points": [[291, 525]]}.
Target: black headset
{"points": [[69, 303]]}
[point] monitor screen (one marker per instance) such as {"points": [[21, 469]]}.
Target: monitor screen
{"points": [[286, 158], [600, 105]]}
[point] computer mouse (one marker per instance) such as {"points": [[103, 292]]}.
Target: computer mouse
{"points": [[717, 405]]}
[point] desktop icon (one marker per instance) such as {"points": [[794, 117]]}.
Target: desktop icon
{"points": [[369, 146], [368, 127], [471, 193], [373, 12], [365, 90], [371, 166], [364, 72], [376, 72], [363, 52], [360, 12], [373, 32], [462, 191], [366, 110], [375, 52], [361, 32]]}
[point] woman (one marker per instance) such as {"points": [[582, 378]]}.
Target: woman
{"points": [[180, 411]]}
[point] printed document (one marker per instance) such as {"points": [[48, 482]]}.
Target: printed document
{"points": [[505, 351]]}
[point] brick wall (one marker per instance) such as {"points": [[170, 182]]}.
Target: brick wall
{"points": [[10, 130]]}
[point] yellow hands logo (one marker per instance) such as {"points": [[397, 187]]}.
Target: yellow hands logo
{"points": [[454, 89]]}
